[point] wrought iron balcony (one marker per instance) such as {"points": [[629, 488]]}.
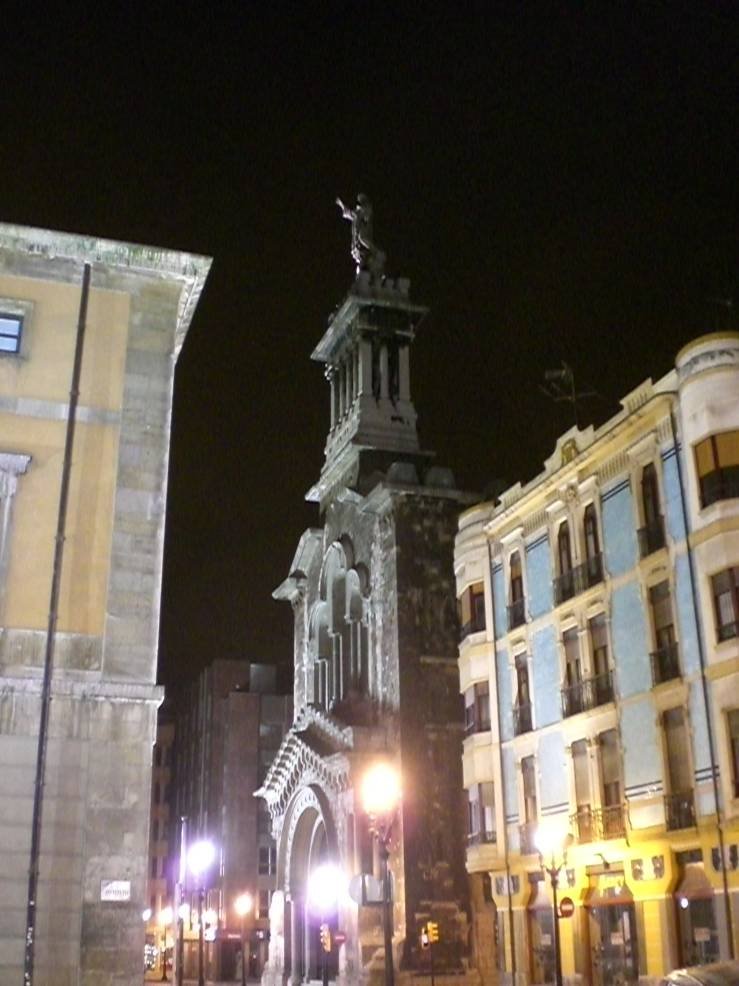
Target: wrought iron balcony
{"points": [[516, 614], [475, 625], [527, 835], [481, 838], [578, 579], [651, 537], [680, 810], [522, 718], [587, 694], [665, 664], [598, 824], [722, 484]]}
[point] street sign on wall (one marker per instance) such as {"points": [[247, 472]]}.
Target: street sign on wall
{"points": [[566, 907], [115, 890]]}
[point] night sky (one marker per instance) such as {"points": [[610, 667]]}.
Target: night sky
{"points": [[558, 183]]}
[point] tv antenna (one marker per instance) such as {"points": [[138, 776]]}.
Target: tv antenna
{"points": [[559, 385]]}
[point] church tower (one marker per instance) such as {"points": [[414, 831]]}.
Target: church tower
{"points": [[375, 646]]}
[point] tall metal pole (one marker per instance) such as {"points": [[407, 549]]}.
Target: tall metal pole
{"points": [[56, 578], [201, 938], [243, 953], [554, 876], [387, 926], [181, 901]]}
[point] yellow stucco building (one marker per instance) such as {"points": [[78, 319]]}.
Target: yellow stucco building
{"points": [[95, 806]]}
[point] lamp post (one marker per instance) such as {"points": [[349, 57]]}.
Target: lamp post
{"points": [[324, 889], [199, 857], [242, 906], [551, 844], [381, 796], [165, 919]]}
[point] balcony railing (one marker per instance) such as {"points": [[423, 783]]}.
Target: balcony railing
{"points": [[727, 631], [723, 484], [578, 579], [587, 694], [651, 537], [680, 810], [481, 838], [522, 718], [597, 824], [516, 614], [475, 625], [527, 834], [665, 664]]}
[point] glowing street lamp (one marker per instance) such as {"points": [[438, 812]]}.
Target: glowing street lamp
{"points": [[243, 905], [200, 857], [381, 796], [551, 842]]}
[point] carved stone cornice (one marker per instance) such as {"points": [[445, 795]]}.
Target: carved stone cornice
{"points": [[314, 750]]}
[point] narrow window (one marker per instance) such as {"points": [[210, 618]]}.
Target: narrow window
{"points": [[487, 811], [610, 767], [516, 611], [661, 606], [678, 754], [572, 694], [563, 548], [522, 709], [590, 524], [583, 799], [734, 741], [471, 607], [650, 495], [528, 774], [726, 603]]}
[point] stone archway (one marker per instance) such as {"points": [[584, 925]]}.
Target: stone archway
{"points": [[309, 839]]}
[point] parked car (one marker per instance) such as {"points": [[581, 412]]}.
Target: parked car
{"points": [[714, 974]]}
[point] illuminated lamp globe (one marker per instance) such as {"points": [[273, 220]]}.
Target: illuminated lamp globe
{"points": [[165, 916], [200, 855], [326, 884], [550, 839], [243, 904], [146, 914], [381, 790]]}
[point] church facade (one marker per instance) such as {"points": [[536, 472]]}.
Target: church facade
{"points": [[375, 642]]}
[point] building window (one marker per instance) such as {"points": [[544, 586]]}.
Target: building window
{"points": [[263, 903], [472, 609], [612, 812], [664, 658], [717, 464], [572, 691], [11, 327], [522, 722], [652, 535], [564, 548], [679, 804], [733, 719], [481, 813], [726, 603], [583, 820], [516, 608], [267, 859], [477, 708], [530, 807]]}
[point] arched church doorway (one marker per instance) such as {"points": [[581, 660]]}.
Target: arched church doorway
{"points": [[311, 842]]}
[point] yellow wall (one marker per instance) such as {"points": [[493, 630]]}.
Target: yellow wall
{"points": [[43, 373]]}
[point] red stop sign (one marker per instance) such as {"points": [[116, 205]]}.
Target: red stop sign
{"points": [[566, 907]]}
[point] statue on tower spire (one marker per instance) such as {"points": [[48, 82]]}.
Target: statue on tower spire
{"points": [[367, 255]]}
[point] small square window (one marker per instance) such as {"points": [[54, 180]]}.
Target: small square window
{"points": [[11, 327]]}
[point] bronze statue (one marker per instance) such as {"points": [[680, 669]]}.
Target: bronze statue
{"points": [[367, 255]]}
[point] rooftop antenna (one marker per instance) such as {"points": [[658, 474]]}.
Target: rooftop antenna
{"points": [[559, 385]]}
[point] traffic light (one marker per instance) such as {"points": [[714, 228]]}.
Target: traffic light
{"points": [[424, 937], [433, 931], [325, 938]]}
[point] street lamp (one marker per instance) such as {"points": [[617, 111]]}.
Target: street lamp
{"points": [[381, 796], [325, 886], [242, 906], [551, 842], [199, 857], [165, 919]]}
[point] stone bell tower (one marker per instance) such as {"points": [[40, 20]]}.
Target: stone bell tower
{"points": [[375, 647]]}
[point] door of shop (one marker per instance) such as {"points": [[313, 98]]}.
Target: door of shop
{"points": [[613, 940]]}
